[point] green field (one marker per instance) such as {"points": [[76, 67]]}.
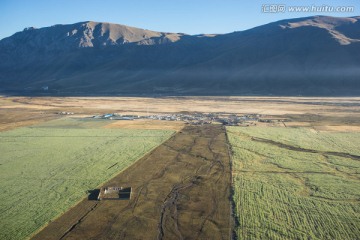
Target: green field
{"points": [[48, 168], [302, 184]]}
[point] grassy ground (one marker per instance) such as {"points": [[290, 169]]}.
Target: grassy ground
{"points": [[295, 183], [347, 142], [48, 168]]}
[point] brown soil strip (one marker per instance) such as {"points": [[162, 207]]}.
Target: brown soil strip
{"points": [[181, 190], [146, 124], [15, 118], [78, 222], [278, 172]]}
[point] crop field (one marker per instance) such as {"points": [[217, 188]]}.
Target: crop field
{"points": [[345, 142], [47, 168], [295, 183], [181, 190]]}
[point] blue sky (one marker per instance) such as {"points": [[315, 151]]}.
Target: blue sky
{"points": [[188, 16]]}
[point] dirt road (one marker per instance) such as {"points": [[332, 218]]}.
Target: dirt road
{"points": [[181, 190]]}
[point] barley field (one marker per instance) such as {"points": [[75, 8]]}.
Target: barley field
{"points": [[47, 168], [295, 183]]}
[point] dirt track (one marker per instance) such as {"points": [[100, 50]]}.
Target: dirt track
{"points": [[181, 190]]}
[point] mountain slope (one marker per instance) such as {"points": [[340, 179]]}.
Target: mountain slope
{"points": [[85, 34], [308, 56]]}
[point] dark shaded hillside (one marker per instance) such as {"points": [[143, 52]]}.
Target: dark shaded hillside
{"points": [[307, 56]]}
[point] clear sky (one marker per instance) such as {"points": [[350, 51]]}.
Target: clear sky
{"points": [[187, 16]]}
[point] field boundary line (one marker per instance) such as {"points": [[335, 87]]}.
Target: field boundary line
{"points": [[233, 221]]}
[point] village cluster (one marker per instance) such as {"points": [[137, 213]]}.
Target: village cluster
{"points": [[195, 118]]}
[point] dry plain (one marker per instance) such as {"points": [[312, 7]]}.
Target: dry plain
{"points": [[318, 112]]}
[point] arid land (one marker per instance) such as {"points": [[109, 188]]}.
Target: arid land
{"points": [[335, 114]]}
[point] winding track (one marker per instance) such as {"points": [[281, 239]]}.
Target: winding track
{"points": [[181, 190]]}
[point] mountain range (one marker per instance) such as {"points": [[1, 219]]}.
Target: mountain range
{"points": [[317, 56]]}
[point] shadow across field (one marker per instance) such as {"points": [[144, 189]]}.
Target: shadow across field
{"points": [[93, 194], [181, 190], [293, 148]]}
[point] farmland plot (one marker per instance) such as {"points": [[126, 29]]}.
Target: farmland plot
{"points": [[295, 183], [46, 169], [181, 190]]}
